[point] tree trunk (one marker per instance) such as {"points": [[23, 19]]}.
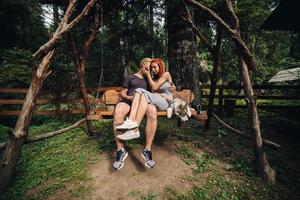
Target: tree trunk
{"points": [[182, 51], [151, 29], [13, 150], [213, 85], [215, 53], [80, 71], [124, 43], [262, 165]]}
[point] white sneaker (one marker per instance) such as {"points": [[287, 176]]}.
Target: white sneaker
{"points": [[128, 124], [128, 135]]}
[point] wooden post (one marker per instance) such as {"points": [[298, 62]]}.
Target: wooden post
{"points": [[80, 70], [80, 61], [247, 61], [262, 165]]}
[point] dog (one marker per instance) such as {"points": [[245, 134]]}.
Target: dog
{"points": [[181, 109]]}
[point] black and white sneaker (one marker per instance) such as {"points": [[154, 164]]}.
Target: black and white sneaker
{"points": [[121, 155], [147, 155]]}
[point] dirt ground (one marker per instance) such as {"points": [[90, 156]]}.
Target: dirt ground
{"points": [[135, 179]]}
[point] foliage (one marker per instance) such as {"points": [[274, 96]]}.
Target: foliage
{"points": [[22, 24], [126, 38], [273, 51], [16, 65]]}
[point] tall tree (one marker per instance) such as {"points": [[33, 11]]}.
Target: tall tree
{"points": [[182, 57], [214, 50], [22, 24]]}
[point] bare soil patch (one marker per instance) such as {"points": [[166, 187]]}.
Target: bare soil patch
{"points": [[135, 179]]}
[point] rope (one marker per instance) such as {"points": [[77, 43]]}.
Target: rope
{"points": [[266, 142], [102, 56]]}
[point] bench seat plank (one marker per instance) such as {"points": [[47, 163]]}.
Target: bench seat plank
{"points": [[100, 114]]}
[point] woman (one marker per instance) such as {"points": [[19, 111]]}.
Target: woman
{"points": [[160, 97]]}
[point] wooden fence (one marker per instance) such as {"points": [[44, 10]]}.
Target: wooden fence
{"points": [[289, 92]]}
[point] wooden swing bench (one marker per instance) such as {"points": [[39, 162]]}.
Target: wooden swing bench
{"points": [[111, 97]]}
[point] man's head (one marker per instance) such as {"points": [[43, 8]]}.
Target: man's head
{"points": [[145, 63]]}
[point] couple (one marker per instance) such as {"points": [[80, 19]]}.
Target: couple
{"points": [[142, 94]]}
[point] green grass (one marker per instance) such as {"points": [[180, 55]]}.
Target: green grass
{"points": [[150, 196], [53, 164]]}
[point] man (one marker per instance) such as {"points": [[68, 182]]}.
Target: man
{"points": [[131, 83]]}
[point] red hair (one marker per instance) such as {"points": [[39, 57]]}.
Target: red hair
{"points": [[161, 66]]}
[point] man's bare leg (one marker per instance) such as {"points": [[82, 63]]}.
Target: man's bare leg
{"points": [[121, 110]]}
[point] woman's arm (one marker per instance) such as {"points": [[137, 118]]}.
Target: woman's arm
{"points": [[173, 87], [155, 85]]}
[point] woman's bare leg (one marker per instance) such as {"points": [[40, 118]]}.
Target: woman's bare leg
{"points": [[141, 111], [142, 108], [134, 106], [138, 108]]}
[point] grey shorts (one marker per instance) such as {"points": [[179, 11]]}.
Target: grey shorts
{"points": [[153, 98]]}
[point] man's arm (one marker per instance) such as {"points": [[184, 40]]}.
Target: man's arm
{"points": [[124, 94]]}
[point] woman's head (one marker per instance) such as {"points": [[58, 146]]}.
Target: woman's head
{"points": [[158, 67]]}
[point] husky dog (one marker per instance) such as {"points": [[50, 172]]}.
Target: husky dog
{"points": [[181, 109]]}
